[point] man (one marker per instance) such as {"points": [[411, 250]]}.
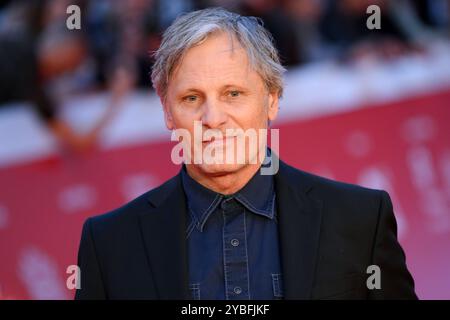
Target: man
{"points": [[222, 229]]}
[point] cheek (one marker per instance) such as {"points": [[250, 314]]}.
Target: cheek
{"points": [[255, 116], [250, 120], [184, 117]]}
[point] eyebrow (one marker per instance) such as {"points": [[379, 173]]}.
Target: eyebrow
{"points": [[227, 86], [233, 86]]}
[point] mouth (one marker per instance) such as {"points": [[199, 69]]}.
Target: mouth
{"points": [[222, 140]]}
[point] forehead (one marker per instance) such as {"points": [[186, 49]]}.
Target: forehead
{"points": [[218, 60]]}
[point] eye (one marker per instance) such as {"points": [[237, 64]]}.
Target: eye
{"points": [[234, 93], [190, 98]]}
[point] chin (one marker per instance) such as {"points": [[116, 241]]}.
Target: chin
{"points": [[219, 169]]}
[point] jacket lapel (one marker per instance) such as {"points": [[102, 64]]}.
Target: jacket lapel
{"points": [[163, 230], [299, 217]]}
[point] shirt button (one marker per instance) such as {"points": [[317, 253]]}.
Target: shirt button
{"points": [[224, 205], [235, 242], [237, 290]]}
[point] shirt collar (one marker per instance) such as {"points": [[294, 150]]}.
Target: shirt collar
{"points": [[258, 196]]}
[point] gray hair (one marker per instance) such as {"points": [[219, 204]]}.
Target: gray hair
{"points": [[192, 28]]}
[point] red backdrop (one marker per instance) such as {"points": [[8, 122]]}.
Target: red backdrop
{"points": [[402, 147]]}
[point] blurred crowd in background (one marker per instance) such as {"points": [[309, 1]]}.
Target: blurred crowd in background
{"points": [[43, 62]]}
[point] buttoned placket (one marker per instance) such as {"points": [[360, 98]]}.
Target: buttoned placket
{"points": [[235, 257]]}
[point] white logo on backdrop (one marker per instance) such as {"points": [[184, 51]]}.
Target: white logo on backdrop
{"points": [[39, 274], [425, 173], [77, 197], [134, 185], [358, 144]]}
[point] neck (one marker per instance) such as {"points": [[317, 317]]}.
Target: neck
{"points": [[226, 182]]}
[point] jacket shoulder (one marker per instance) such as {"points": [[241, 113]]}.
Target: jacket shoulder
{"points": [[337, 196], [333, 188], [127, 214]]}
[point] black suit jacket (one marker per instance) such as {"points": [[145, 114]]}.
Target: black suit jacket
{"points": [[330, 232]]}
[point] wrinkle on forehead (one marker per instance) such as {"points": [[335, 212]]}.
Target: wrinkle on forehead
{"points": [[207, 59], [232, 46]]}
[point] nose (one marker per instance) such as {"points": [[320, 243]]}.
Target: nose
{"points": [[214, 115]]}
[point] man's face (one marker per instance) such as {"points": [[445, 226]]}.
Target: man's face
{"points": [[215, 84]]}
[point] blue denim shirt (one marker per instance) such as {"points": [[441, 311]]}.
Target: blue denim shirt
{"points": [[232, 241]]}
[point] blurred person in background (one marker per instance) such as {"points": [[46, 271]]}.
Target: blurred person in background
{"points": [[305, 17], [123, 32], [43, 62], [280, 25], [435, 14], [343, 27]]}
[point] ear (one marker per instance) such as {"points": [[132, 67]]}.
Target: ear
{"points": [[167, 115], [272, 111]]}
